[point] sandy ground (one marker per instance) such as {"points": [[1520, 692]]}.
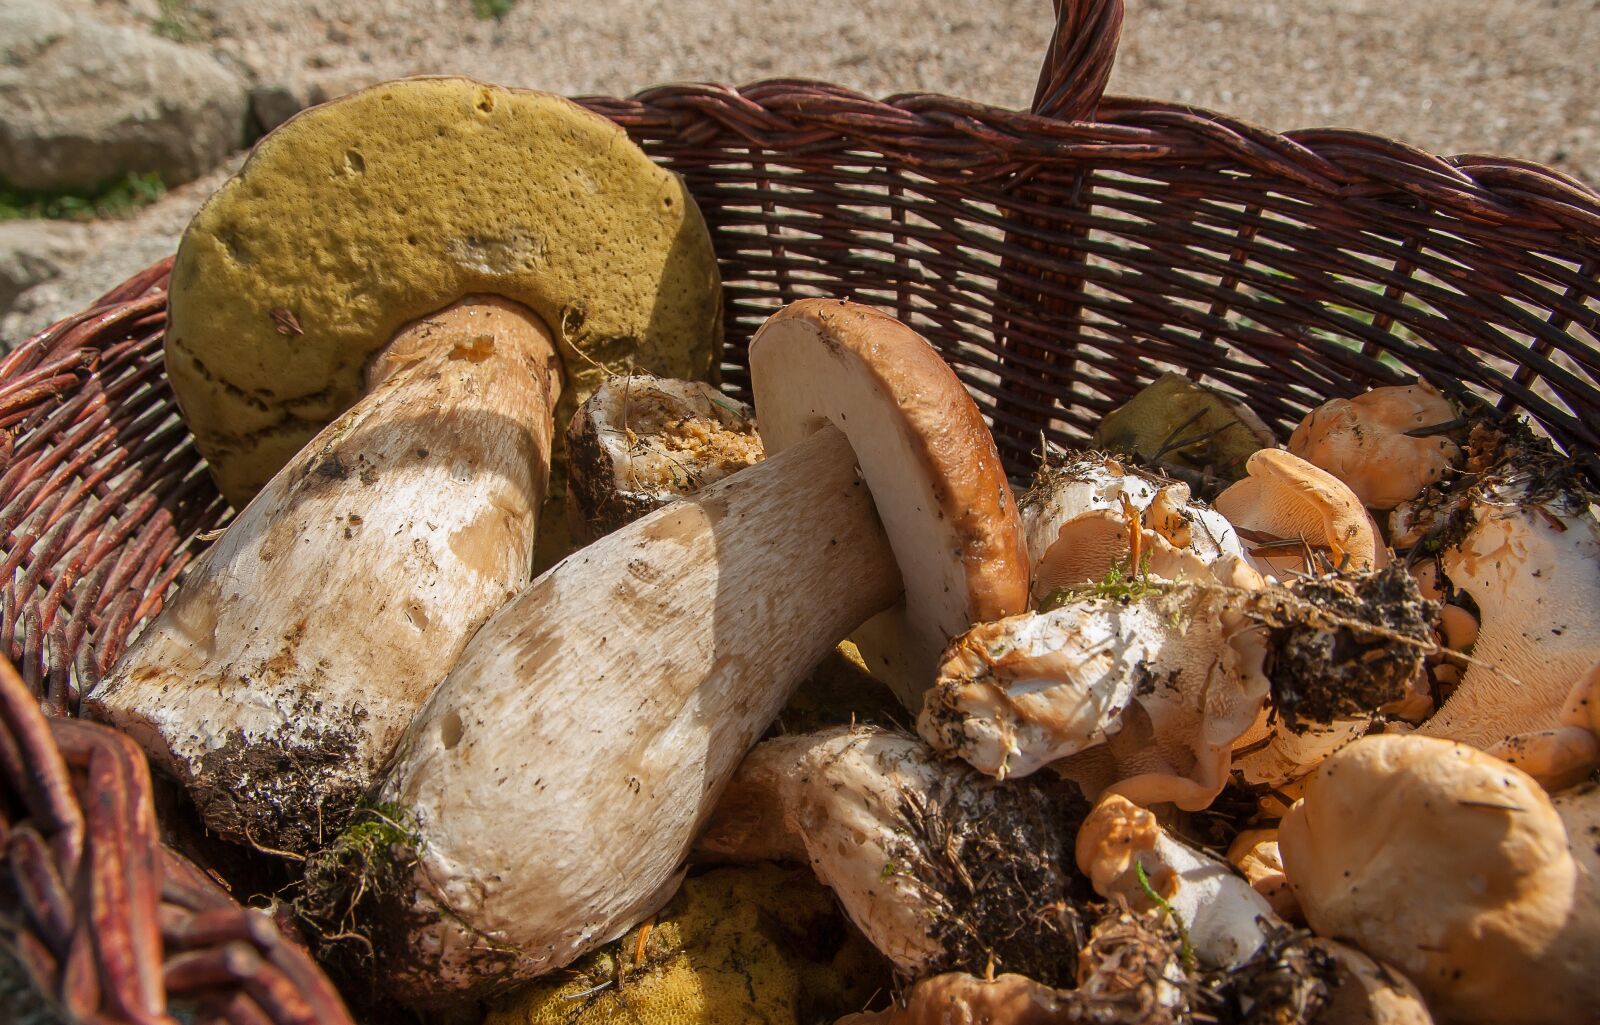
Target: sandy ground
{"points": [[1514, 77]]}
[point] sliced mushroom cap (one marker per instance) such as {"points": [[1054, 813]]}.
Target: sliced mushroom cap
{"points": [[1459, 870], [364, 214], [1370, 442], [641, 441], [1286, 504], [824, 361]]}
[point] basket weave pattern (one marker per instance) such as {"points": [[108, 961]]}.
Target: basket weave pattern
{"points": [[1058, 264]]}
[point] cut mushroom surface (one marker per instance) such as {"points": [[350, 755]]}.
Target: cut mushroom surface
{"points": [[624, 685], [640, 441], [363, 255]]}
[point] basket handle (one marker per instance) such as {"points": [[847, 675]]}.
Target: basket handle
{"points": [[1078, 64]]}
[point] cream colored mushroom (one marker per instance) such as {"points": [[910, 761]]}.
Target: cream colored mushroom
{"points": [[1254, 852], [940, 867], [1287, 505], [365, 254], [1566, 755], [1517, 533], [641, 441], [556, 779], [1372, 442], [1080, 517], [1224, 920], [1458, 869]]}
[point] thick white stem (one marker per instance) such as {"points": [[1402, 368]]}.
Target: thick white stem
{"points": [[277, 682], [558, 776]]}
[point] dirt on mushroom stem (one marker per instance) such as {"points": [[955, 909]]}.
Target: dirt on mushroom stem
{"points": [[1333, 654], [1289, 981]]}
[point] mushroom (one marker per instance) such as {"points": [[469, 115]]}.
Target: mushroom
{"points": [[552, 785], [1128, 971], [365, 254], [1517, 533], [1561, 757], [1150, 675], [1225, 924], [1080, 517], [1386, 444], [1458, 869], [1185, 426], [640, 441], [1254, 852], [1287, 506], [940, 867], [1149, 690]]}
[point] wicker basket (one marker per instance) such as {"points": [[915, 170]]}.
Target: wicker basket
{"points": [[1058, 264]]}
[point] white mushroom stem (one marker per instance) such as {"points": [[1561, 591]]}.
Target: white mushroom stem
{"points": [[278, 680], [1221, 914], [939, 866], [559, 774]]}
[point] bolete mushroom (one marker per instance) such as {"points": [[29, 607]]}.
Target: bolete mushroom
{"points": [[1459, 870], [450, 257], [1386, 444], [640, 441], [554, 782], [940, 867]]}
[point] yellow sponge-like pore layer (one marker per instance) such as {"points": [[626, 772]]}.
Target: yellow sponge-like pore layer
{"points": [[361, 215], [737, 946]]}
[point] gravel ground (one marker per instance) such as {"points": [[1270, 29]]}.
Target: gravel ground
{"points": [[1516, 77]]}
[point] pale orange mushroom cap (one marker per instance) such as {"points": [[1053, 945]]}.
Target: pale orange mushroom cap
{"points": [[1454, 867], [1566, 754], [1286, 497], [1363, 442]]}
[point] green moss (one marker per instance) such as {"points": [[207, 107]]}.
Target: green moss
{"points": [[1119, 585], [118, 197], [381, 839], [496, 9]]}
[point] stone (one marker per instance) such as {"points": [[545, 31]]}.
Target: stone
{"points": [[83, 102], [32, 252]]}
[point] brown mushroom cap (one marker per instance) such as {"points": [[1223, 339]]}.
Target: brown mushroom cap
{"points": [[952, 522], [1454, 867], [358, 216], [1363, 442], [1289, 498]]}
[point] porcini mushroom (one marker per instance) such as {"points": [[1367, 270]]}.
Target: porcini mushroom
{"points": [[553, 783], [1386, 444], [640, 441], [1287, 506], [436, 249], [1459, 870], [940, 867]]}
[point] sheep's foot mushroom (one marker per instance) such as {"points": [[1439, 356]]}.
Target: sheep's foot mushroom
{"points": [[280, 677]]}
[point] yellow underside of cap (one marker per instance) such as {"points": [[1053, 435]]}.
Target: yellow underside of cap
{"points": [[358, 216]]}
